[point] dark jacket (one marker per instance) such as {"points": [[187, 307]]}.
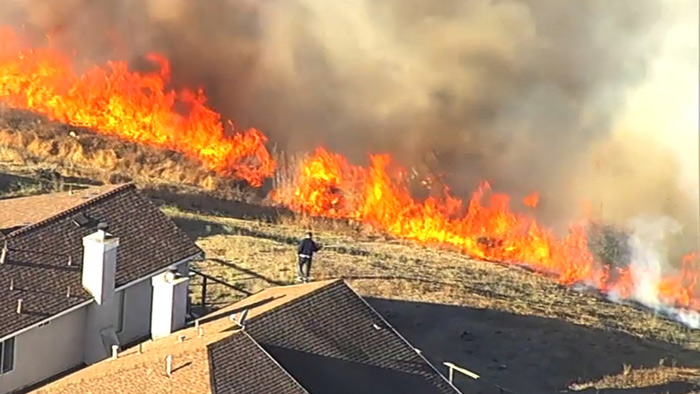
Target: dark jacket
{"points": [[307, 247]]}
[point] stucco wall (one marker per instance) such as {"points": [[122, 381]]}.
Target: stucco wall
{"points": [[137, 312], [46, 351]]}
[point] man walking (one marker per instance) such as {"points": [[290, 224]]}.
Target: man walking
{"points": [[306, 250]]}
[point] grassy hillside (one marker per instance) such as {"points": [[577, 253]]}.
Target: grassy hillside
{"points": [[517, 329]]}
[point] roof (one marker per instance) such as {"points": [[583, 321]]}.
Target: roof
{"points": [[23, 211], [37, 268], [288, 329], [261, 374], [351, 347]]}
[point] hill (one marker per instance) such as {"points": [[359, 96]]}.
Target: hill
{"points": [[518, 330]]}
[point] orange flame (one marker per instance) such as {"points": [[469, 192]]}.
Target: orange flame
{"points": [[327, 185], [532, 200], [134, 106]]}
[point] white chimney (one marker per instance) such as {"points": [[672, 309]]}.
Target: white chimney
{"points": [[100, 264], [169, 307]]}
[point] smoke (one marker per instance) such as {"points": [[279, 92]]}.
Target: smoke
{"points": [[576, 99], [649, 257]]}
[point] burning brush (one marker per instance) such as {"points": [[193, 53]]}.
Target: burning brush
{"points": [[141, 108]]}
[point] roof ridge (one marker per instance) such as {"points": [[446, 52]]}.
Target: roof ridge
{"points": [[402, 338], [101, 197]]}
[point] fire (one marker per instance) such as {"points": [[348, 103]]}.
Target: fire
{"points": [[138, 107], [485, 227], [532, 200]]}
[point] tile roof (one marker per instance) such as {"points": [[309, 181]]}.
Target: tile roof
{"points": [[36, 268], [311, 338]]}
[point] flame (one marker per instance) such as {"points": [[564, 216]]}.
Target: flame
{"points": [[134, 106], [140, 107], [485, 227], [532, 200]]}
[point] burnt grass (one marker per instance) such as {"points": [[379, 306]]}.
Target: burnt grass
{"points": [[518, 329]]}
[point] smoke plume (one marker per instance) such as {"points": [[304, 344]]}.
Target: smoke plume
{"points": [[649, 256], [581, 100]]}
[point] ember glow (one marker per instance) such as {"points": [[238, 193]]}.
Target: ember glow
{"points": [[137, 107], [485, 227]]}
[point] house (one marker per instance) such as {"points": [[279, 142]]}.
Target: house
{"points": [[83, 273], [319, 337]]}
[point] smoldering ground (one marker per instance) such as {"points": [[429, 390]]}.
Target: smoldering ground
{"points": [[528, 94]]}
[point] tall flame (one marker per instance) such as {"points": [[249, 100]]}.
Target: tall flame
{"points": [[137, 107], [140, 107], [327, 185]]}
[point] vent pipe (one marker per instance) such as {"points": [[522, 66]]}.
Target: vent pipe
{"points": [[3, 253], [169, 365]]}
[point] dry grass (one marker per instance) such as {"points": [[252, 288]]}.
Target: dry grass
{"points": [[531, 333], [30, 141], [408, 271], [630, 378], [254, 255]]}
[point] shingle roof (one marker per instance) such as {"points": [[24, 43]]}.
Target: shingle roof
{"points": [[144, 373], [37, 259], [261, 374], [23, 211], [331, 340], [311, 338]]}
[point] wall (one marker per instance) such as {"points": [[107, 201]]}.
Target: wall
{"points": [[46, 351], [137, 312], [100, 319], [76, 337]]}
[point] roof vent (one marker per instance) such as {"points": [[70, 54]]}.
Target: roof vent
{"points": [[19, 306], [169, 365], [3, 253], [102, 226], [172, 273], [82, 220], [240, 318]]}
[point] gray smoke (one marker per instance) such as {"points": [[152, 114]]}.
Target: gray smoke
{"points": [[525, 93]]}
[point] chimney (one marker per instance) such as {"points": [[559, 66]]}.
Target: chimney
{"points": [[169, 308], [100, 264]]}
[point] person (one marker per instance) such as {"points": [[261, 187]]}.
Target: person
{"points": [[306, 249]]}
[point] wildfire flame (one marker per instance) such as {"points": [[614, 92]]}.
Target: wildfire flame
{"points": [[327, 185], [137, 107], [140, 107]]}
